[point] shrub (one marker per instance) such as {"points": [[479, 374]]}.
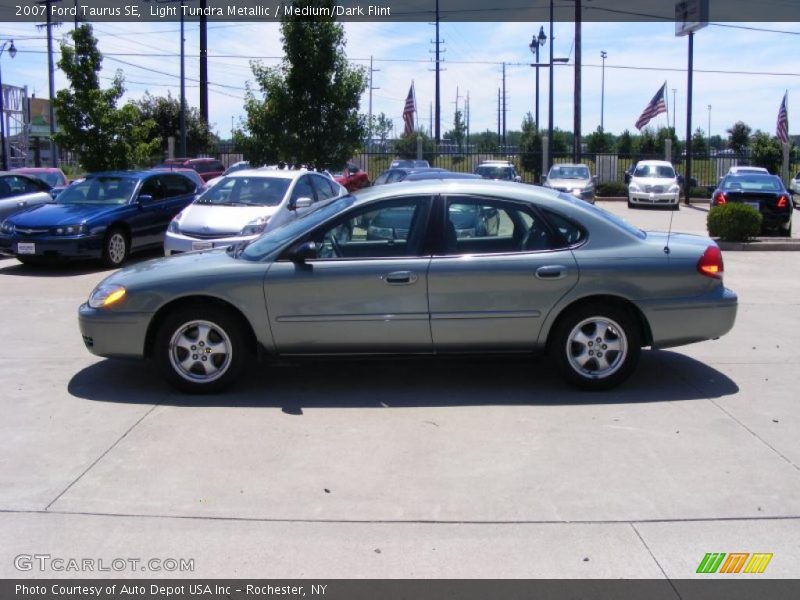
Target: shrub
{"points": [[610, 189], [734, 222]]}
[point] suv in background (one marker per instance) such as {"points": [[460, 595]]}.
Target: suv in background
{"points": [[498, 169], [207, 168], [654, 182]]}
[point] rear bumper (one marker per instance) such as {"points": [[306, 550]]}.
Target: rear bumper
{"points": [[113, 334], [679, 321], [90, 246]]}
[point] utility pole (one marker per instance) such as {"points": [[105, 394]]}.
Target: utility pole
{"points": [[203, 62], [550, 107], [467, 111], [183, 92], [603, 55], [371, 87], [687, 186], [430, 119], [674, 110], [576, 127], [437, 51], [498, 116], [51, 79], [504, 104]]}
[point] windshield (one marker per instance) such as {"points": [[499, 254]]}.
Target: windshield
{"points": [[495, 172], [569, 173], [247, 191], [753, 183], [103, 189], [660, 171], [51, 179], [279, 236]]}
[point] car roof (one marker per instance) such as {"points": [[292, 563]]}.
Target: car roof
{"points": [[273, 173], [24, 170], [654, 163], [570, 165], [139, 174]]}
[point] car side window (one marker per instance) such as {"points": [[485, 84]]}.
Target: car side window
{"points": [[323, 186], [303, 189], [381, 179], [154, 187], [178, 185], [490, 226], [393, 228], [571, 233]]}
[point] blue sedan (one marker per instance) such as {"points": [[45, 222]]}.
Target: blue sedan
{"points": [[105, 216]]}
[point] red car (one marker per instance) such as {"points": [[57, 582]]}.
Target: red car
{"points": [[351, 177], [207, 168]]}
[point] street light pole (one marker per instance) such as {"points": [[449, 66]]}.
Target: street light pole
{"points": [[603, 55], [709, 129], [12, 52], [550, 93], [183, 92], [536, 43]]}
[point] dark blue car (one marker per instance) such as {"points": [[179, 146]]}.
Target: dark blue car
{"points": [[106, 216]]}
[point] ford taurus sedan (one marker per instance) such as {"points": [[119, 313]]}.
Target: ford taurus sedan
{"points": [[555, 275]]}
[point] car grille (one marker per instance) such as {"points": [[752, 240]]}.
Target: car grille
{"points": [[655, 189], [31, 230], [210, 235]]}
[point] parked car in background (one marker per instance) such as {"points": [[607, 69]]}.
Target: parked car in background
{"points": [[351, 177], [106, 215], [237, 166], [396, 174], [766, 193], [654, 183], [19, 192], [628, 173], [245, 204], [207, 168], [52, 176], [426, 174], [794, 185], [556, 276], [747, 169], [574, 179], [409, 163], [190, 173], [500, 170]]}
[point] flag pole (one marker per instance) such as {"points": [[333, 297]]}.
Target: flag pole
{"points": [[786, 144]]}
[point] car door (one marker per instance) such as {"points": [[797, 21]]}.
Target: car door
{"points": [[497, 274], [150, 222], [366, 290]]}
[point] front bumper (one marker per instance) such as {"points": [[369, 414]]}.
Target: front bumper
{"points": [[177, 243], [52, 247], [652, 198], [113, 334]]}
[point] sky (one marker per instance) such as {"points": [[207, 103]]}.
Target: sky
{"points": [[753, 69]]}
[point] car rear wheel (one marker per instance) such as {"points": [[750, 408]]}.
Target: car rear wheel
{"points": [[201, 350], [631, 204], [115, 248], [596, 347]]}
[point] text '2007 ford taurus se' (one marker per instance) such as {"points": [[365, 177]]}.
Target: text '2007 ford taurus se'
{"points": [[545, 274]]}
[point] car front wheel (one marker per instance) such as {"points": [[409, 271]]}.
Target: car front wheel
{"points": [[201, 350], [115, 248], [596, 347]]}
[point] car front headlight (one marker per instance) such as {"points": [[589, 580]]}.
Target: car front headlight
{"points": [[633, 186], [7, 227], [175, 225], [255, 226], [674, 188], [106, 294], [79, 229]]}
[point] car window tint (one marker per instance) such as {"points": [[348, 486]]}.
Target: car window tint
{"points": [[303, 189], [154, 187], [100, 189], [753, 183], [487, 226], [381, 179], [256, 191], [389, 229], [661, 171], [570, 233], [178, 185], [324, 187]]}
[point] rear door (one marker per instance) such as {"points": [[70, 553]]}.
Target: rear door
{"points": [[366, 292], [500, 270]]}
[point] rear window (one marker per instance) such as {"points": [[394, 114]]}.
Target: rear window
{"points": [[495, 172], [753, 183]]}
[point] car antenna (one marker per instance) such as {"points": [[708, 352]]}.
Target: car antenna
{"points": [[669, 230]]}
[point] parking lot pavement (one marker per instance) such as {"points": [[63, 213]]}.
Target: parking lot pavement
{"points": [[418, 468]]}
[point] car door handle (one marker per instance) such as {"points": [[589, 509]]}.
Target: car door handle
{"points": [[551, 272], [22, 203], [400, 278]]}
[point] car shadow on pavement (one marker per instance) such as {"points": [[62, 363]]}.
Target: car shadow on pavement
{"points": [[12, 267], [661, 376]]}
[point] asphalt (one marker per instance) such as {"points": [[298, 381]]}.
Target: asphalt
{"points": [[422, 468]]}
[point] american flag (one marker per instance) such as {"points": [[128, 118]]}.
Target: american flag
{"points": [[408, 111], [656, 107], [782, 129]]}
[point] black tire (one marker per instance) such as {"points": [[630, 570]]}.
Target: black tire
{"points": [[787, 232], [623, 330], [116, 248], [675, 206], [211, 328], [631, 204]]}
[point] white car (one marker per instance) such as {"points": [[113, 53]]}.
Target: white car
{"points": [[794, 184], [654, 183], [740, 170], [245, 204]]}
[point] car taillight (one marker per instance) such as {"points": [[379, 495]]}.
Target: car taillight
{"points": [[783, 202], [719, 198], [710, 264]]}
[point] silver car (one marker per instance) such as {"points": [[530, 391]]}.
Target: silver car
{"points": [[20, 192], [545, 273], [571, 179], [245, 204]]}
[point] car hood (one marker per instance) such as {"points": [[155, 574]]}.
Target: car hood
{"points": [[653, 180], [210, 218], [53, 214], [568, 183]]}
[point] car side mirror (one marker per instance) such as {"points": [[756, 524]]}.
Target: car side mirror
{"points": [[680, 179], [144, 199], [302, 252], [595, 178], [303, 202]]}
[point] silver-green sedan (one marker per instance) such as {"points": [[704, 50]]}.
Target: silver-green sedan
{"points": [[426, 267]]}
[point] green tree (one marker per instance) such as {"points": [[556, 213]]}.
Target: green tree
{"points": [[562, 141], [165, 111], [307, 108], [104, 136], [767, 152], [600, 142], [626, 145], [530, 147], [738, 136], [406, 146], [668, 133], [380, 127], [648, 143], [699, 142], [486, 141], [458, 131]]}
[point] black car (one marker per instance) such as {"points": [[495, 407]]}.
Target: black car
{"points": [[396, 174], [408, 163], [763, 192]]}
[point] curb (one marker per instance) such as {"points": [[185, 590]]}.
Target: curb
{"points": [[625, 199], [761, 245]]}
